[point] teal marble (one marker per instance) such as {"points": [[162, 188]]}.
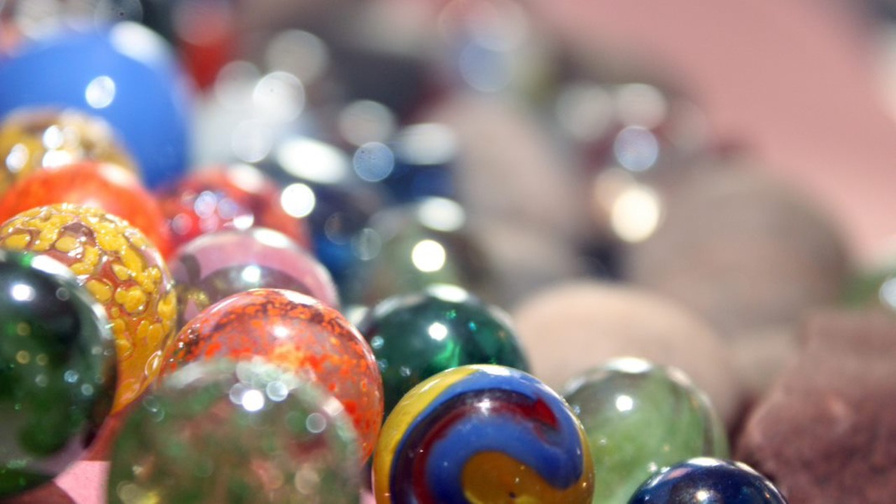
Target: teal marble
{"points": [[417, 335], [57, 370], [641, 418], [236, 432]]}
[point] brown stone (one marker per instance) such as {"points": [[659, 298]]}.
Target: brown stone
{"points": [[826, 432]]}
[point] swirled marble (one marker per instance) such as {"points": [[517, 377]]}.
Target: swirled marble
{"points": [[118, 265], [482, 434]]}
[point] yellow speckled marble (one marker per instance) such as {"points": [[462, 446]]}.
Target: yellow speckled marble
{"points": [[121, 269]]}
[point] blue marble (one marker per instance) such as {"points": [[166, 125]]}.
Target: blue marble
{"points": [[706, 480], [126, 74]]}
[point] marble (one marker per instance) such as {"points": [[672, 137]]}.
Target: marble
{"points": [[121, 269], [218, 197], [57, 370], [641, 418], [409, 247], [35, 138], [218, 264], [482, 433], [415, 336], [295, 331], [124, 73], [706, 479], [224, 431], [104, 185]]}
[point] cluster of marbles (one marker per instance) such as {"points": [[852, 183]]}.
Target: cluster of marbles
{"points": [[120, 268], [57, 370], [482, 433], [223, 431], [297, 332], [297, 402]]}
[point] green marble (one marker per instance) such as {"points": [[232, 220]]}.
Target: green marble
{"points": [[57, 370], [415, 336], [641, 418], [236, 432], [410, 247]]}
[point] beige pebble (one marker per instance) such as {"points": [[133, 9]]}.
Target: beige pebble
{"points": [[573, 327]]}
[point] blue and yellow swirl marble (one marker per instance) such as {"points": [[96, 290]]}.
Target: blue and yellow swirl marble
{"points": [[482, 434]]}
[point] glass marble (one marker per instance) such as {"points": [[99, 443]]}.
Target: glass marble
{"points": [[223, 431], [411, 246], [482, 433], [424, 157], [339, 228], [124, 73], [103, 185], [641, 418], [710, 480], [295, 331], [57, 370], [116, 263], [217, 197], [32, 139], [415, 336], [218, 264]]}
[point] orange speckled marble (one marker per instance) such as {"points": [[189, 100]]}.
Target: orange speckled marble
{"points": [[297, 332], [120, 268]]}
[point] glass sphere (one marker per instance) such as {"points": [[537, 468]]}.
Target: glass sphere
{"points": [[482, 433], [218, 264], [33, 139], [298, 332], [415, 336], [224, 431], [121, 269], [706, 479], [57, 370], [641, 418]]}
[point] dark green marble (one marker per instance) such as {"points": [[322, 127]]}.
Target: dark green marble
{"points": [[639, 419], [415, 336], [57, 370]]}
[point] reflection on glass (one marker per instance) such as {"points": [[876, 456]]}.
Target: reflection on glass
{"points": [[279, 97], [636, 148], [373, 161], [365, 121], [426, 144], [313, 160], [641, 104], [636, 213], [441, 214], [298, 52], [100, 92], [428, 256], [298, 200]]}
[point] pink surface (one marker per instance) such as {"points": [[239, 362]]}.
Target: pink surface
{"points": [[795, 80], [85, 481]]}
